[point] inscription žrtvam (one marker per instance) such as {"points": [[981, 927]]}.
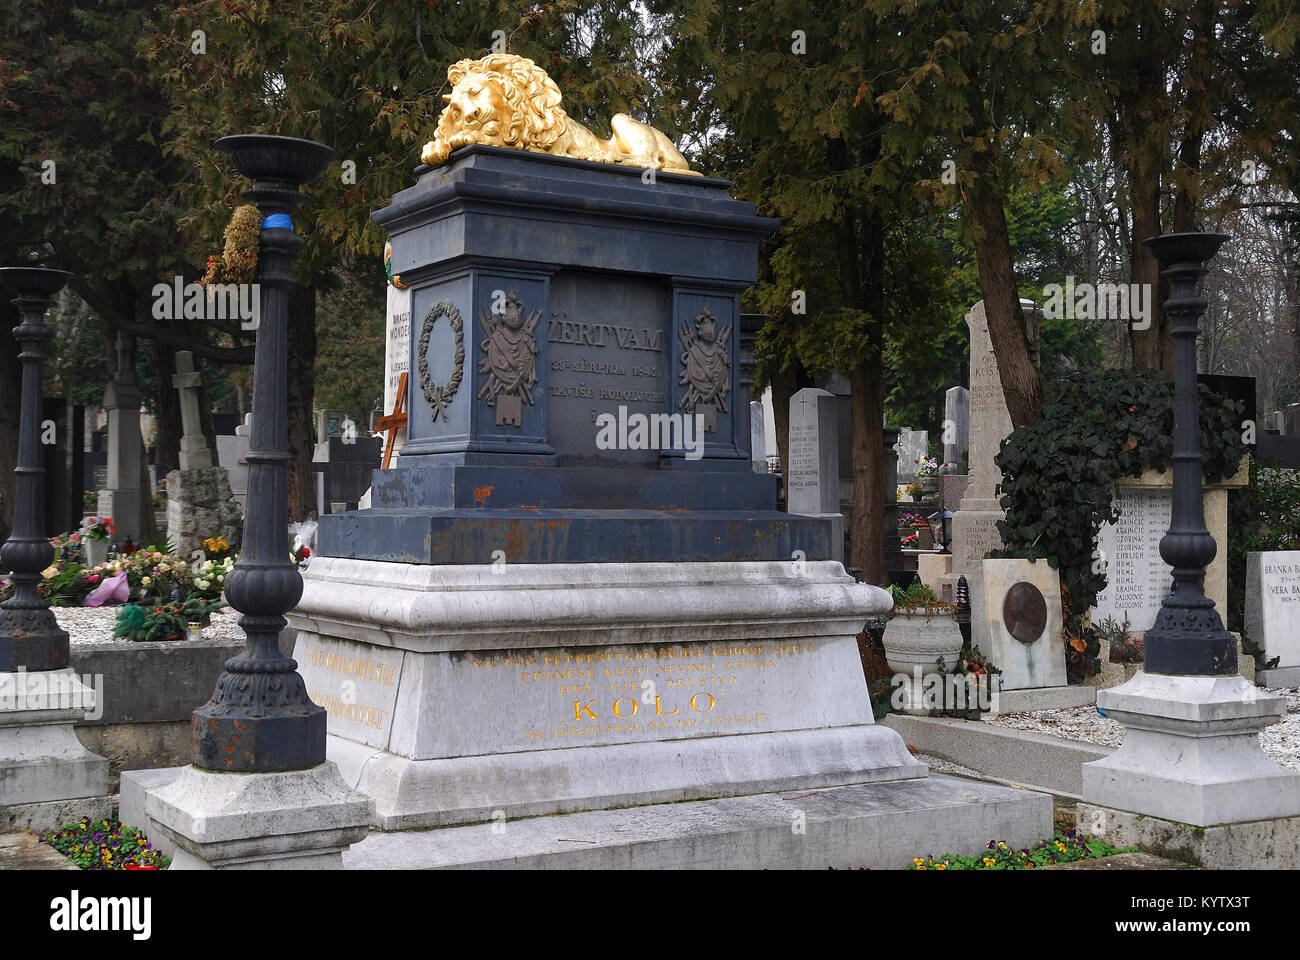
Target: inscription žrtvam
{"points": [[510, 360], [440, 396], [707, 368]]}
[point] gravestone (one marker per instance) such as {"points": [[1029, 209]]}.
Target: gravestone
{"points": [[894, 566], [397, 349], [200, 503], [812, 482], [956, 427], [554, 606], [913, 445], [333, 423], [757, 437], [1137, 578], [1023, 622], [974, 524], [231, 453], [1273, 612], [342, 470], [121, 496]]}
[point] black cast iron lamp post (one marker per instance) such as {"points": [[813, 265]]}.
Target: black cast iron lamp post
{"points": [[30, 637], [260, 718], [1188, 637]]}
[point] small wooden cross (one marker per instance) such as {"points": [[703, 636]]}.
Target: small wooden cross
{"points": [[394, 421]]}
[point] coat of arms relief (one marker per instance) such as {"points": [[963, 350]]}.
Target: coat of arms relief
{"points": [[510, 360], [707, 368]]}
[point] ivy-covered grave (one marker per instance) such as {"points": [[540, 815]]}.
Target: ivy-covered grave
{"points": [[1060, 475]]}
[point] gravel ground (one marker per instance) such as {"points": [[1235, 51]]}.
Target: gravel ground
{"points": [[939, 765], [95, 625], [1280, 741]]}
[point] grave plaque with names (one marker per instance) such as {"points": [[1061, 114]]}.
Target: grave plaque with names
{"points": [[1137, 579], [812, 482]]}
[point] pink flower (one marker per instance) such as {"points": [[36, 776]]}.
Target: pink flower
{"points": [[93, 578]]}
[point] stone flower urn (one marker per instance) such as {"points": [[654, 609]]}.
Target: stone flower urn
{"points": [[919, 639], [96, 551]]}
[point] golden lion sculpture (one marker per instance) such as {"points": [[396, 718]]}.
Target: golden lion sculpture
{"points": [[504, 100]]}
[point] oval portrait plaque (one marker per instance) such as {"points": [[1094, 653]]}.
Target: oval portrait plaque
{"points": [[1024, 611]]}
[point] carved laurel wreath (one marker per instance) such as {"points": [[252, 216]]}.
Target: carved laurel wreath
{"points": [[440, 396]]}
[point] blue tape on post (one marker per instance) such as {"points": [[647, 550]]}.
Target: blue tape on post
{"points": [[280, 220]]}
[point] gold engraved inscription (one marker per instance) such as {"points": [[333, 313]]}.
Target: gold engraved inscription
{"points": [[664, 690]]}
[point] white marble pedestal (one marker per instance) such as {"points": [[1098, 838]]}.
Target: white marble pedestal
{"points": [[1191, 752], [47, 778], [297, 820]]}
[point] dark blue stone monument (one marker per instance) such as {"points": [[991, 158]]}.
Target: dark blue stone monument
{"points": [[572, 323]]}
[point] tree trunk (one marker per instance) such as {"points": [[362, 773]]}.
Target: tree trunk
{"points": [[302, 359], [1143, 162], [1006, 321], [167, 409], [1151, 344], [867, 419]]}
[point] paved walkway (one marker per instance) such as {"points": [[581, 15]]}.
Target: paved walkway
{"points": [[22, 851]]}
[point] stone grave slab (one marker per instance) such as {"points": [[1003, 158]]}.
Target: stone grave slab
{"points": [[1273, 612]]}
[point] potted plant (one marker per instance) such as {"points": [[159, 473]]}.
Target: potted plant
{"points": [[921, 633], [927, 474], [921, 536], [95, 533]]}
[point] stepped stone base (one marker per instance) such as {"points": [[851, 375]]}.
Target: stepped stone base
{"points": [[881, 826], [1256, 845], [47, 778]]}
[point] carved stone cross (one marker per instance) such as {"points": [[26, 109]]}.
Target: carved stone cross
{"points": [[194, 452]]}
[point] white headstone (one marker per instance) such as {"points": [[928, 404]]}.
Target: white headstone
{"points": [[913, 445], [231, 454], [757, 437], [397, 353], [956, 425], [1273, 604], [812, 477], [1022, 613]]}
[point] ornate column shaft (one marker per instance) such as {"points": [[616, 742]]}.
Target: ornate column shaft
{"points": [[260, 718], [30, 637], [1188, 637]]}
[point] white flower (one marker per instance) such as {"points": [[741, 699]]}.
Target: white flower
{"points": [[203, 584], [145, 581]]}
